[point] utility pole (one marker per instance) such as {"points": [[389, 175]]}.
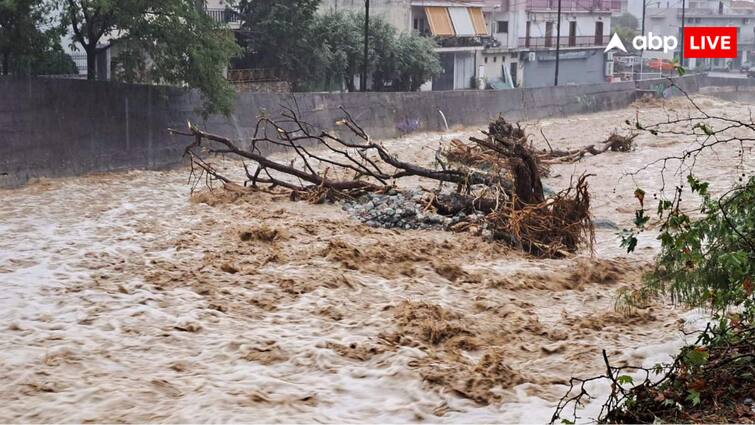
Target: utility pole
{"points": [[642, 52], [558, 40], [363, 80], [643, 17], [681, 43]]}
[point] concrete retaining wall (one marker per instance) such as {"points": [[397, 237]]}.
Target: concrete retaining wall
{"points": [[52, 127]]}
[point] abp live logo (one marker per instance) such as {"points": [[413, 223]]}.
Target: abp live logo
{"points": [[710, 42], [699, 42]]}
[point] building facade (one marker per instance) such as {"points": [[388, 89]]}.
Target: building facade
{"points": [[504, 43], [664, 17], [523, 52]]}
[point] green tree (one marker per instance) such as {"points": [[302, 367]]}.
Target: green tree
{"points": [[29, 40], [418, 62], [163, 41], [278, 34], [19, 30], [340, 37], [396, 61], [51, 61]]}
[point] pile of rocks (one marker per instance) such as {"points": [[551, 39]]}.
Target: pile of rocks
{"points": [[395, 209]]}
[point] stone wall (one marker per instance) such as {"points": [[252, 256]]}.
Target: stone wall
{"points": [[55, 127]]}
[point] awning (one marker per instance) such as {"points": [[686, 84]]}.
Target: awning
{"points": [[462, 21], [439, 21], [478, 21], [456, 21]]}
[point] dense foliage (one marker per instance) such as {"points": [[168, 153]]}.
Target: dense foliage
{"points": [[278, 34], [710, 260], [706, 260], [326, 51], [29, 40]]}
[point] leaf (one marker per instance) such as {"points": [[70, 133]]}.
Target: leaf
{"points": [[567, 422], [747, 285], [628, 241], [694, 397], [640, 219], [697, 357], [640, 195], [700, 187], [624, 379]]}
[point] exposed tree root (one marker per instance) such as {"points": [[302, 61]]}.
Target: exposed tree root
{"points": [[551, 228]]}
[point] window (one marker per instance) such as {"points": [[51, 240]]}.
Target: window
{"points": [[486, 59], [495, 59], [599, 33], [572, 33], [549, 34], [527, 35], [503, 27]]}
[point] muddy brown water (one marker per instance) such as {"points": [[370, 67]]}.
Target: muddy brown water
{"points": [[122, 299]]}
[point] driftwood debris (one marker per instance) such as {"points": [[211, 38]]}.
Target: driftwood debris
{"points": [[351, 166], [614, 143], [497, 177]]}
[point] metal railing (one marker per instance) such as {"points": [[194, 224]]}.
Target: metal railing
{"points": [[574, 5], [224, 16], [252, 75], [565, 41], [80, 59]]}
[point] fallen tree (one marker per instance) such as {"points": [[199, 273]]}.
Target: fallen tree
{"points": [[323, 166]]}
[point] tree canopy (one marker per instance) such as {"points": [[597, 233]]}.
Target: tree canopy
{"points": [[327, 49], [277, 34], [29, 42]]}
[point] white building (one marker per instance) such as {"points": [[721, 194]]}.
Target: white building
{"points": [[664, 17], [524, 34]]}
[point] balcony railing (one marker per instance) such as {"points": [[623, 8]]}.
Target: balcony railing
{"points": [[252, 75], [224, 16], [575, 5], [565, 41]]}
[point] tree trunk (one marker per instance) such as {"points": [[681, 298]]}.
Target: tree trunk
{"points": [[91, 64], [350, 82], [6, 63]]}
